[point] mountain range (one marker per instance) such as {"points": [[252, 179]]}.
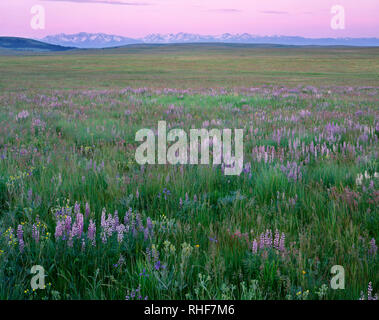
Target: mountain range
{"points": [[101, 40], [89, 40]]}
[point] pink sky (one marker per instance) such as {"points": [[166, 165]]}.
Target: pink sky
{"points": [[137, 18]]}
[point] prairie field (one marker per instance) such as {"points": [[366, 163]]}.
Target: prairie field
{"points": [[74, 200]]}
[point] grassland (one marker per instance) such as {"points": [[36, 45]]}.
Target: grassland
{"points": [[74, 200], [191, 66]]}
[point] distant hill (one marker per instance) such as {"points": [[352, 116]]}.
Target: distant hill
{"points": [[90, 40], [23, 44], [101, 40]]}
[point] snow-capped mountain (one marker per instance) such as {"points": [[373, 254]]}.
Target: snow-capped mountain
{"points": [[254, 39], [180, 37], [101, 40], [89, 40]]}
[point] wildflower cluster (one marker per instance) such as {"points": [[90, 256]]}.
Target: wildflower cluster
{"points": [[267, 241]]}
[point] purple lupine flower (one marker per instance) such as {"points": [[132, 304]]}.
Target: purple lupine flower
{"points": [[77, 228], [109, 225], [139, 224], [369, 291], [149, 223], [92, 232], [22, 115], [146, 234], [255, 246], [120, 232], [35, 233], [266, 241], [262, 241], [104, 228], [282, 242], [277, 239], [67, 224], [292, 171], [59, 229], [104, 237], [127, 216], [76, 208], [87, 211], [80, 223], [373, 247], [20, 234], [115, 219]]}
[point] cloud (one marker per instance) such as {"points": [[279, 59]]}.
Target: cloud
{"points": [[224, 10], [111, 2], [274, 12]]}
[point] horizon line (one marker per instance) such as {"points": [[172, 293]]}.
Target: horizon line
{"points": [[210, 35]]}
